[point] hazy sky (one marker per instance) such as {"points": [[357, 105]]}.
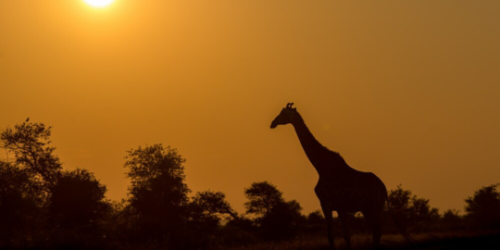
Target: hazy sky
{"points": [[408, 90]]}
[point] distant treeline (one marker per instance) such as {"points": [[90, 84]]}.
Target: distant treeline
{"points": [[43, 205]]}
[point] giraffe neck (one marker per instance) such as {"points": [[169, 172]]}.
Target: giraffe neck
{"points": [[317, 153]]}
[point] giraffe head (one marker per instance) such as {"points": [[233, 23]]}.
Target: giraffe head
{"points": [[286, 116]]}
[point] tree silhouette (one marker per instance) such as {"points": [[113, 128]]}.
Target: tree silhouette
{"points": [[283, 221], [452, 220], [262, 197], [214, 204], [78, 200], [399, 200], [484, 206], [410, 209], [315, 218], [18, 202], [29, 143], [277, 219], [26, 181], [158, 194], [206, 210]]}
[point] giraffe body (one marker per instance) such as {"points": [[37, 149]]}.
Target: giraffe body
{"points": [[348, 196], [340, 188]]}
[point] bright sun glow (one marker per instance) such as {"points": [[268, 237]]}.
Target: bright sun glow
{"points": [[99, 3]]}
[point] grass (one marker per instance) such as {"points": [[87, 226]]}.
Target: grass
{"points": [[424, 241]]}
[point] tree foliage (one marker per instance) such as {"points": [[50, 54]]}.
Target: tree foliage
{"points": [[18, 201], [158, 194], [315, 218], [262, 197], [283, 221], [277, 218], [30, 144], [26, 180], [206, 210], [409, 208], [78, 200], [213, 204], [484, 206]]}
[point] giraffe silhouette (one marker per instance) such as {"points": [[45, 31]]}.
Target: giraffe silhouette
{"points": [[340, 188]]}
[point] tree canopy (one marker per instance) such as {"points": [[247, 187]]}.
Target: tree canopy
{"points": [[277, 218], [262, 197], [213, 204], [30, 144], [158, 194], [410, 208], [484, 206], [78, 199]]}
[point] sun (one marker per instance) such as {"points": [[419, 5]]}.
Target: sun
{"points": [[99, 3]]}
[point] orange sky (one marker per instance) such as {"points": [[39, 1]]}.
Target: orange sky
{"points": [[408, 90]]}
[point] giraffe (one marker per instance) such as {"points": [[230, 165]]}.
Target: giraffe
{"points": [[340, 188]]}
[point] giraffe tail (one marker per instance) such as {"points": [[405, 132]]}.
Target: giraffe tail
{"points": [[399, 224]]}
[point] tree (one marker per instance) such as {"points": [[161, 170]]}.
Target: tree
{"points": [[400, 201], [315, 223], [262, 197], [484, 206], [25, 182], [410, 209], [30, 144], [206, 210], [18, 202], [283, 221], [422, 211], [277, 218], [158, 194], [78, 200], [315, 218], [212, 204], [451, 218]]}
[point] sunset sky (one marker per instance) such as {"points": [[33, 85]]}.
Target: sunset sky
{"points": [[408, 90]]}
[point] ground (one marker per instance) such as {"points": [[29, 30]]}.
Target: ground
{"points": [[428, 241]]}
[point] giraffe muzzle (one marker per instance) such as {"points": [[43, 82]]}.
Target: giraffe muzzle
{"points": [[274, 124]]}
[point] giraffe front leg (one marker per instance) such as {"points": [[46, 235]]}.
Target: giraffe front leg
{"points": [[345, 228], [329, 225]]}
